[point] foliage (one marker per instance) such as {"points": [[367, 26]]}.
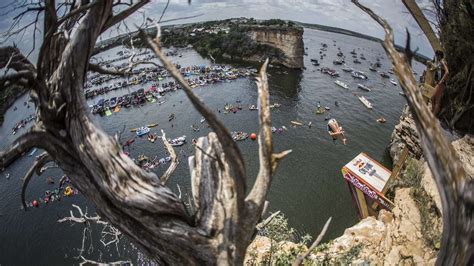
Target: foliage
{"points": [[411, 177], [230, 41], [457, 35], [279, 232]]}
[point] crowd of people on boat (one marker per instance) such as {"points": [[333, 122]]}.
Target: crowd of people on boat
{"points": [[64, 189], [22, 123], [196, 77]]}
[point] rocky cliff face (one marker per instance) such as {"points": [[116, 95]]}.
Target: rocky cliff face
{"points": [[405, 134], [287, 39]]}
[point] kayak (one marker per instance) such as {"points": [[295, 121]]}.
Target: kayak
{"points": [[296, 123], [152, 125]]}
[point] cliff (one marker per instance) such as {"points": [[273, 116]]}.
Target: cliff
{"points": [[289, 40], [405, 134], [409, 235]]}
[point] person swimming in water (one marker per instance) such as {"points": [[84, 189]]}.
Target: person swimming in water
{"points": [[336, 131]]}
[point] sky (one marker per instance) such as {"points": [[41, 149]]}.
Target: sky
{"points": [[336, 13]]}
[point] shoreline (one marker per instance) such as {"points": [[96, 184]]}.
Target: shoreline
{"points": [[117, 40]]}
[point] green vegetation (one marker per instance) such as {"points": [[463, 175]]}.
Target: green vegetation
{"points": [[219, 41], [280, 233]]}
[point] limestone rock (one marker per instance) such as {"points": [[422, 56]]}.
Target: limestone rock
{"points": [[405, 134], [287, 39]]}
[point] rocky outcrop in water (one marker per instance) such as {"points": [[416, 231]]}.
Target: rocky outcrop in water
{"points": [[289, 40]]}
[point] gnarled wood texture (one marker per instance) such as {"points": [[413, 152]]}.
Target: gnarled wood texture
{"points": [[137, 202]]}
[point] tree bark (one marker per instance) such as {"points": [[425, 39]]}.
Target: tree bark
{"points": [[136, 202]]}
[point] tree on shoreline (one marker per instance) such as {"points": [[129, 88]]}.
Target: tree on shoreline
{"points": [[222, 222]]}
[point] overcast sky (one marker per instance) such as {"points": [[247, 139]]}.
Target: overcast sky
{"points": [[336, 13]]}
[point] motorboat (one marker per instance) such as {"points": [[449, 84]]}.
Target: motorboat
{"points": [[179, 141], [358, 75], [393, 82], [142, 131], [363, 87], [341, 84], [347, 69], [365, 102], [384, 75], [239, 136]]}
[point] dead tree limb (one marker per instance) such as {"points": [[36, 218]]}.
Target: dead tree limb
{"points": [[134, 201], [36, 168], [316, 242], [174, 160], [456, 190]]}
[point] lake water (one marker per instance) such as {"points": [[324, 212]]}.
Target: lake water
{"points": [[308, 186]]}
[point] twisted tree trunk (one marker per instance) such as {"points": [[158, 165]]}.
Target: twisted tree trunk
{"points": [[133, 200]]}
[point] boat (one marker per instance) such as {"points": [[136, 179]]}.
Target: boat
{"points": [[365, 102], [239, 136], [117, 109], [179, 141], [142, 131], [152, 138], [363, 87], [32, 152], [319, 110], [203, 120], [372, 68], [357, 61], [149, 97], [402, 93], [347, 69], [129, 142], [108, 112], [253, 107], [338, 62], [152, 125], [384, 75], [381, 120], [393, 82], [341, 84], [296, 123], [358, 75], [112, 102]]}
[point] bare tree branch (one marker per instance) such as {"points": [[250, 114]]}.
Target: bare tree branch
{"points": [[299, 260], [174, 159], [124, 14], [37, 168], [230, 147]]}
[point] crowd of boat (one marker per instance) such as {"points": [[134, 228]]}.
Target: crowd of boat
{"points": [[196, 76], [356, 74], [22, 123]]}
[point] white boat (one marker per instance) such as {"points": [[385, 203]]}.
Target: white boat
{"points": [[359, 75], [393, 82], [179, 141], [341, 84], [365, 102], [363, 87], [142, 131], [347, 69]]}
